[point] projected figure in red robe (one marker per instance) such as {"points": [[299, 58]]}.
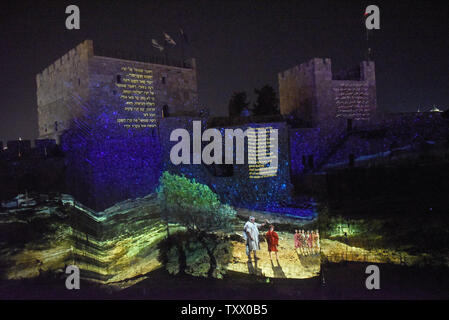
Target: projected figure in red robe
{"points": [[273, 241], [297, 238]]}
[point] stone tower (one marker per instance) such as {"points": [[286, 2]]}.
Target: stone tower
{"points": [[314, 93], [139, 93]]}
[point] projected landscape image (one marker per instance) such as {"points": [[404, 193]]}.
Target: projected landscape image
{"points": [[224, 150]]}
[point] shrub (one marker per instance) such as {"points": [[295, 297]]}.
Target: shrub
{"points": [[192, 204]]}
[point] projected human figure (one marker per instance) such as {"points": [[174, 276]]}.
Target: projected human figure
{"points": [[303, 242], [251, 233], [317, 241], [272, 241], [309, 240], [297, 238]]}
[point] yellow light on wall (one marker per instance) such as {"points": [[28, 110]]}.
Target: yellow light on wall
{"points": [[137, 92], [256, 150]]}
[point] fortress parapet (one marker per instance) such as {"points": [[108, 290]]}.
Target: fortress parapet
{"points": [[315, 93]]}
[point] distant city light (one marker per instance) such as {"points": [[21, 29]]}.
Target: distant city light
{"points": [[434, 108]]}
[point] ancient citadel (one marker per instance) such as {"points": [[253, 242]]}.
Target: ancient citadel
{"points": [[112, 118]]}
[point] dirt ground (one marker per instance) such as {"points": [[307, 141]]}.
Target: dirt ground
{"points": [[290, 263]]}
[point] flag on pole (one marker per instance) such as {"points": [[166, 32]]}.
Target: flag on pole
{"points": [[183, 35], [156, 44], [169, 39]]}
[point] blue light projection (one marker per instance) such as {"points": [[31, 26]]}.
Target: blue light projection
{"points": [[272, 194], [107, 163]]}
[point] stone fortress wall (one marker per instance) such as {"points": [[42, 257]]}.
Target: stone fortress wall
{"points": [[314, 93], [143, 93], [341, 125], [60, 87], [244, 185], [137, 93], [130, 147]]}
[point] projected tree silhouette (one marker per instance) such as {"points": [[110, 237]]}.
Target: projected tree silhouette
{"points": [[193, 204]]}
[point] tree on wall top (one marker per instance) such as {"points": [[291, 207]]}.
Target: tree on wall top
{"points": [[266, 102], [192, 204], [237, 104]]}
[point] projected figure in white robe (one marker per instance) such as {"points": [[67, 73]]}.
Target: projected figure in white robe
{"points": [[251, 234]]}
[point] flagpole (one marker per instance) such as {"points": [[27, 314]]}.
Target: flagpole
{"points": [[182, 48], [368, 52], [368, 49], [165, 51]]}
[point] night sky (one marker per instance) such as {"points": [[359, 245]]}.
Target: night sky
{"points": [[239, 46]]}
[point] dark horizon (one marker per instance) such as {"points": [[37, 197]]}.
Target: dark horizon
{"points": [[239, 46]]}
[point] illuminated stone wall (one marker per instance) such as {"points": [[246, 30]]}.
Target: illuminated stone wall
{"points": [[332, 145], [102, 171], [238, 185], [351, 100], [139, 91], [258, 150], [60, 87], [310, 147], [135, 92], [313, 93], [393, 136], [296, 91]]}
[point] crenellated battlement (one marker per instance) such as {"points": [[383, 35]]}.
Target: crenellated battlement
{"points": [[314, 93], [309, 67], [138, 89], [81, 51]]}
